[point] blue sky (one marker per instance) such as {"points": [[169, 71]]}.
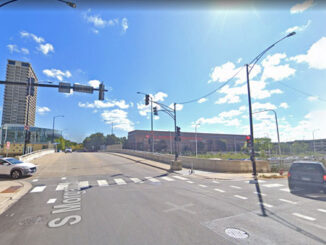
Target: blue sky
{"points": [[175, 55]]}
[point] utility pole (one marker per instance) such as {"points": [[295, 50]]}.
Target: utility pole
{"points": [[112, 128], [175, 134], [53, 127]]}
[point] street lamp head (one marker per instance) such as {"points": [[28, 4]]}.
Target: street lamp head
{"points": [[73, 5], [291, 34]]}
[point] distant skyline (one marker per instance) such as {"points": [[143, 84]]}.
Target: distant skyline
{"points": [[175, 55]]}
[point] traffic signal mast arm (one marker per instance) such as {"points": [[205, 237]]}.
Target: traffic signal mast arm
{"points": [[67, 86]]}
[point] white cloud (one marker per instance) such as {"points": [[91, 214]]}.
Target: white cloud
{"points": [[312, 98], [94, 83], [14, 48], [263, 106], [226, 118], [273, 70], [178, 107], [24, 50], [202, 100], [124, 24], [314, 56], [99, 104], [46, 48], [119, 118], [98, 22], [56, 73], [284, 105], [239, 60], [33, 36], [300, 7], [160, 96], [298, 28], [42, 110], [224, 72]]}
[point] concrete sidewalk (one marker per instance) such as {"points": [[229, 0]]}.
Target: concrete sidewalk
{"points": [[11, 191], [199, 173]]}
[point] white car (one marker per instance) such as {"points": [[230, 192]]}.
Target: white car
{"points": [[16, 168]]}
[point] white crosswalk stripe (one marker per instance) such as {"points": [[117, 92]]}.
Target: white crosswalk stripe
{"points": [[38, 188], [52, 200], [203, 186], [34, 180], [152, 179], [267, 205], [273, 185], [263, 194], [240, 197], [62, 186], [167, 178], [235, 187], [63, 178], [190, 182], [321, 210], [219, 190], [287, 201], [102, 182], [135, 180], [83, 184], [304, 216], [120, 181], [216, 182], [285, 189], [179, 177]]}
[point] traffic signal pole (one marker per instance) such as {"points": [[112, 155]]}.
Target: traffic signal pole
{"points": [[152, 126], [176, 154]]}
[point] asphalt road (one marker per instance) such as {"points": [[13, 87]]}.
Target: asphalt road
{"points": [[98, 198]]}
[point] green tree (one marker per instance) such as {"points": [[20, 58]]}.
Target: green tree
{"points": [[94, 142]]}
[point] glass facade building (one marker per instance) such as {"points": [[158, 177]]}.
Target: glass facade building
{"points": [[14, 133]]}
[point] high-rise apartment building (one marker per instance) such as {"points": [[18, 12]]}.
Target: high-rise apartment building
{"points": [[15, 101]]}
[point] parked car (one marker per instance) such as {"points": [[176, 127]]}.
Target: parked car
{"points": [[16, 168], [68, 150], [307, 174]]}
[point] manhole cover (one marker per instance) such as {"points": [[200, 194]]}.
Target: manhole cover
{"points": [[236, 233]]}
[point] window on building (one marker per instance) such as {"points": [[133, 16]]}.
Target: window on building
{"points": [[11, 62], [25, 64]]}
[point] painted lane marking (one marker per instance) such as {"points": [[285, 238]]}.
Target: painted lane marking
{"points": [[241, 197], [285, 189], [167, 178], [63, 178], [62, 186], [34, 180], [52, 200], [272, 185], [304, 216], [219, 190], [321, 210], [135, 180], [102, 182], [204, 186], [259, 181], [152, 179], [287, 201], [190, 182], [235, 187], [179, 177], [263, 194], [266, 204], [120, 181], [83, 184], [216, 182], [38, 188]]}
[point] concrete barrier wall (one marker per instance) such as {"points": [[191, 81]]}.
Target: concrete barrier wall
{"points": [[35, 154], [232, 166]]}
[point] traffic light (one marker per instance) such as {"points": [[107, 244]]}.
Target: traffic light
{"points": [[146, 99], [101, 92], [155, 111], [248, 138], [178, 131]]}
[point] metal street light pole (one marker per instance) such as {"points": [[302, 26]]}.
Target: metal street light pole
{"points": [[313, 140], [277, 131], [252, 155], [197, 124], [53, 127]]}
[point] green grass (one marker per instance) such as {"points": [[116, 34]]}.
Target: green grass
{"points": [[225, 155]]}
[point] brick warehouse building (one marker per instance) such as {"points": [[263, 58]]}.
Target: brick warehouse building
{"points": [[164, 141]]}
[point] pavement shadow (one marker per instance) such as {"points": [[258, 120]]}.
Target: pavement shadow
{"points": [[4, 177], [310, 194], [294, 227]]}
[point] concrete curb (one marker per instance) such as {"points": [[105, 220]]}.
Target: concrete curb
{"points": [[9, 201], [137, 161]]}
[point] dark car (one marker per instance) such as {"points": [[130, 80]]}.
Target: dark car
{"points": [[307, 175]]}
